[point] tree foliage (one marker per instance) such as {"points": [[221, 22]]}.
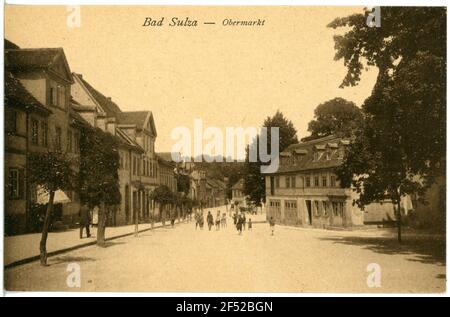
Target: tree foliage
{"points": [[337, 116], [99, 164], [254, 180], [51, 170], [401, 146]]}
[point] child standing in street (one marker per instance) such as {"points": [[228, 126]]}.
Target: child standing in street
{"points": [[272, 224]]}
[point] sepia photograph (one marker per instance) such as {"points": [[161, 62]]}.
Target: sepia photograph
{"points": [[224, 149]]}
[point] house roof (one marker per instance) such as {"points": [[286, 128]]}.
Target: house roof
{"points": [[127, 141], [106, 103], [26, 59], [76, 117], [162, 160], [17, 95], [304, 154], [167, 156], [133, 117], [10, 45]]}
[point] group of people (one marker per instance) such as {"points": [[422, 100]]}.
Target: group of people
{"points": [[240, 221]]}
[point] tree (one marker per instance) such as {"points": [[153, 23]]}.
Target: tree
{"points": [[254, 182], [401, 146], [337, 116], [99, 179], [52, 171], [163, 196]]}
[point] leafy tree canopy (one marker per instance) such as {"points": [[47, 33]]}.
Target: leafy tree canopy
{"points": [[99, 164], [336, 116]]}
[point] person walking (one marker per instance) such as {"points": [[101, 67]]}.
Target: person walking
{"points": [[244, 221], [239, 224], [210, 220], [272, 224], [250, 224], [85, 220]]}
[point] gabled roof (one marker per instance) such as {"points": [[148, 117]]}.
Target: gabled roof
{"points": [[166, 156], [127, 141], [28, 59], [16, 95], [105, 103], [10, 45], [304, 151], [138, 118]]}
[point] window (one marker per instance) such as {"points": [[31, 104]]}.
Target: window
{"points": [[293, 182], [288, 181], [69, 141], [134, 165], [61, 96], [34, 131], [53, 96], [277, 182], [316, 181], [328, 155], [324, 181], [44, 128], [308, 181], [11, 121], [333, 181], [16, 177], [58, 136]]}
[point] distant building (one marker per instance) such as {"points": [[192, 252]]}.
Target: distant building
{"points": [[237, 194]]}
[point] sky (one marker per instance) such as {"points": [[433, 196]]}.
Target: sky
{"points": [[227, 76]]}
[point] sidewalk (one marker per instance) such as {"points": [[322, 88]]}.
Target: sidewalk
{"points": [[25, 248]]}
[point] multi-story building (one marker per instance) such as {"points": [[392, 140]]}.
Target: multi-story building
{"points": [[166, 170], [305, 190], [136, 134], [38, 118]]}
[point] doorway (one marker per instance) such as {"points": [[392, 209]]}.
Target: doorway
{"points": [[309, 209]]}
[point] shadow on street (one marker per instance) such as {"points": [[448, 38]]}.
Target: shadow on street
{"points": [[429, 251]]}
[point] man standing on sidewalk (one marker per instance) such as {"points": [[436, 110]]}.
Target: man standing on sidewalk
{"points": [[85, 220]]}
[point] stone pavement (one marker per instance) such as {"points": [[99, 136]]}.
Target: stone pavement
{"points": [[24, 248]]}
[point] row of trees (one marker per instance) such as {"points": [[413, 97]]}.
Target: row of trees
{"points": [[96, 180], [399, 132]]}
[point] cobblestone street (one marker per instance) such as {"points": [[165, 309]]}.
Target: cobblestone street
{"points": [[293, 260]]}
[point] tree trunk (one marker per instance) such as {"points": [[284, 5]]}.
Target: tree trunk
{"points": [[399, 222], [101, 225], [43, 243], [163, 215]]}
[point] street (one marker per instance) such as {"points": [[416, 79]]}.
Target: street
{"points": [[184, 259]]}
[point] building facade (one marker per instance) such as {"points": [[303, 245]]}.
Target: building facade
{"points": [[37, 119], [136, 133], [305, 190]]}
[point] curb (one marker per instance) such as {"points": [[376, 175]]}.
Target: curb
{"points": [[75, 247]]}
